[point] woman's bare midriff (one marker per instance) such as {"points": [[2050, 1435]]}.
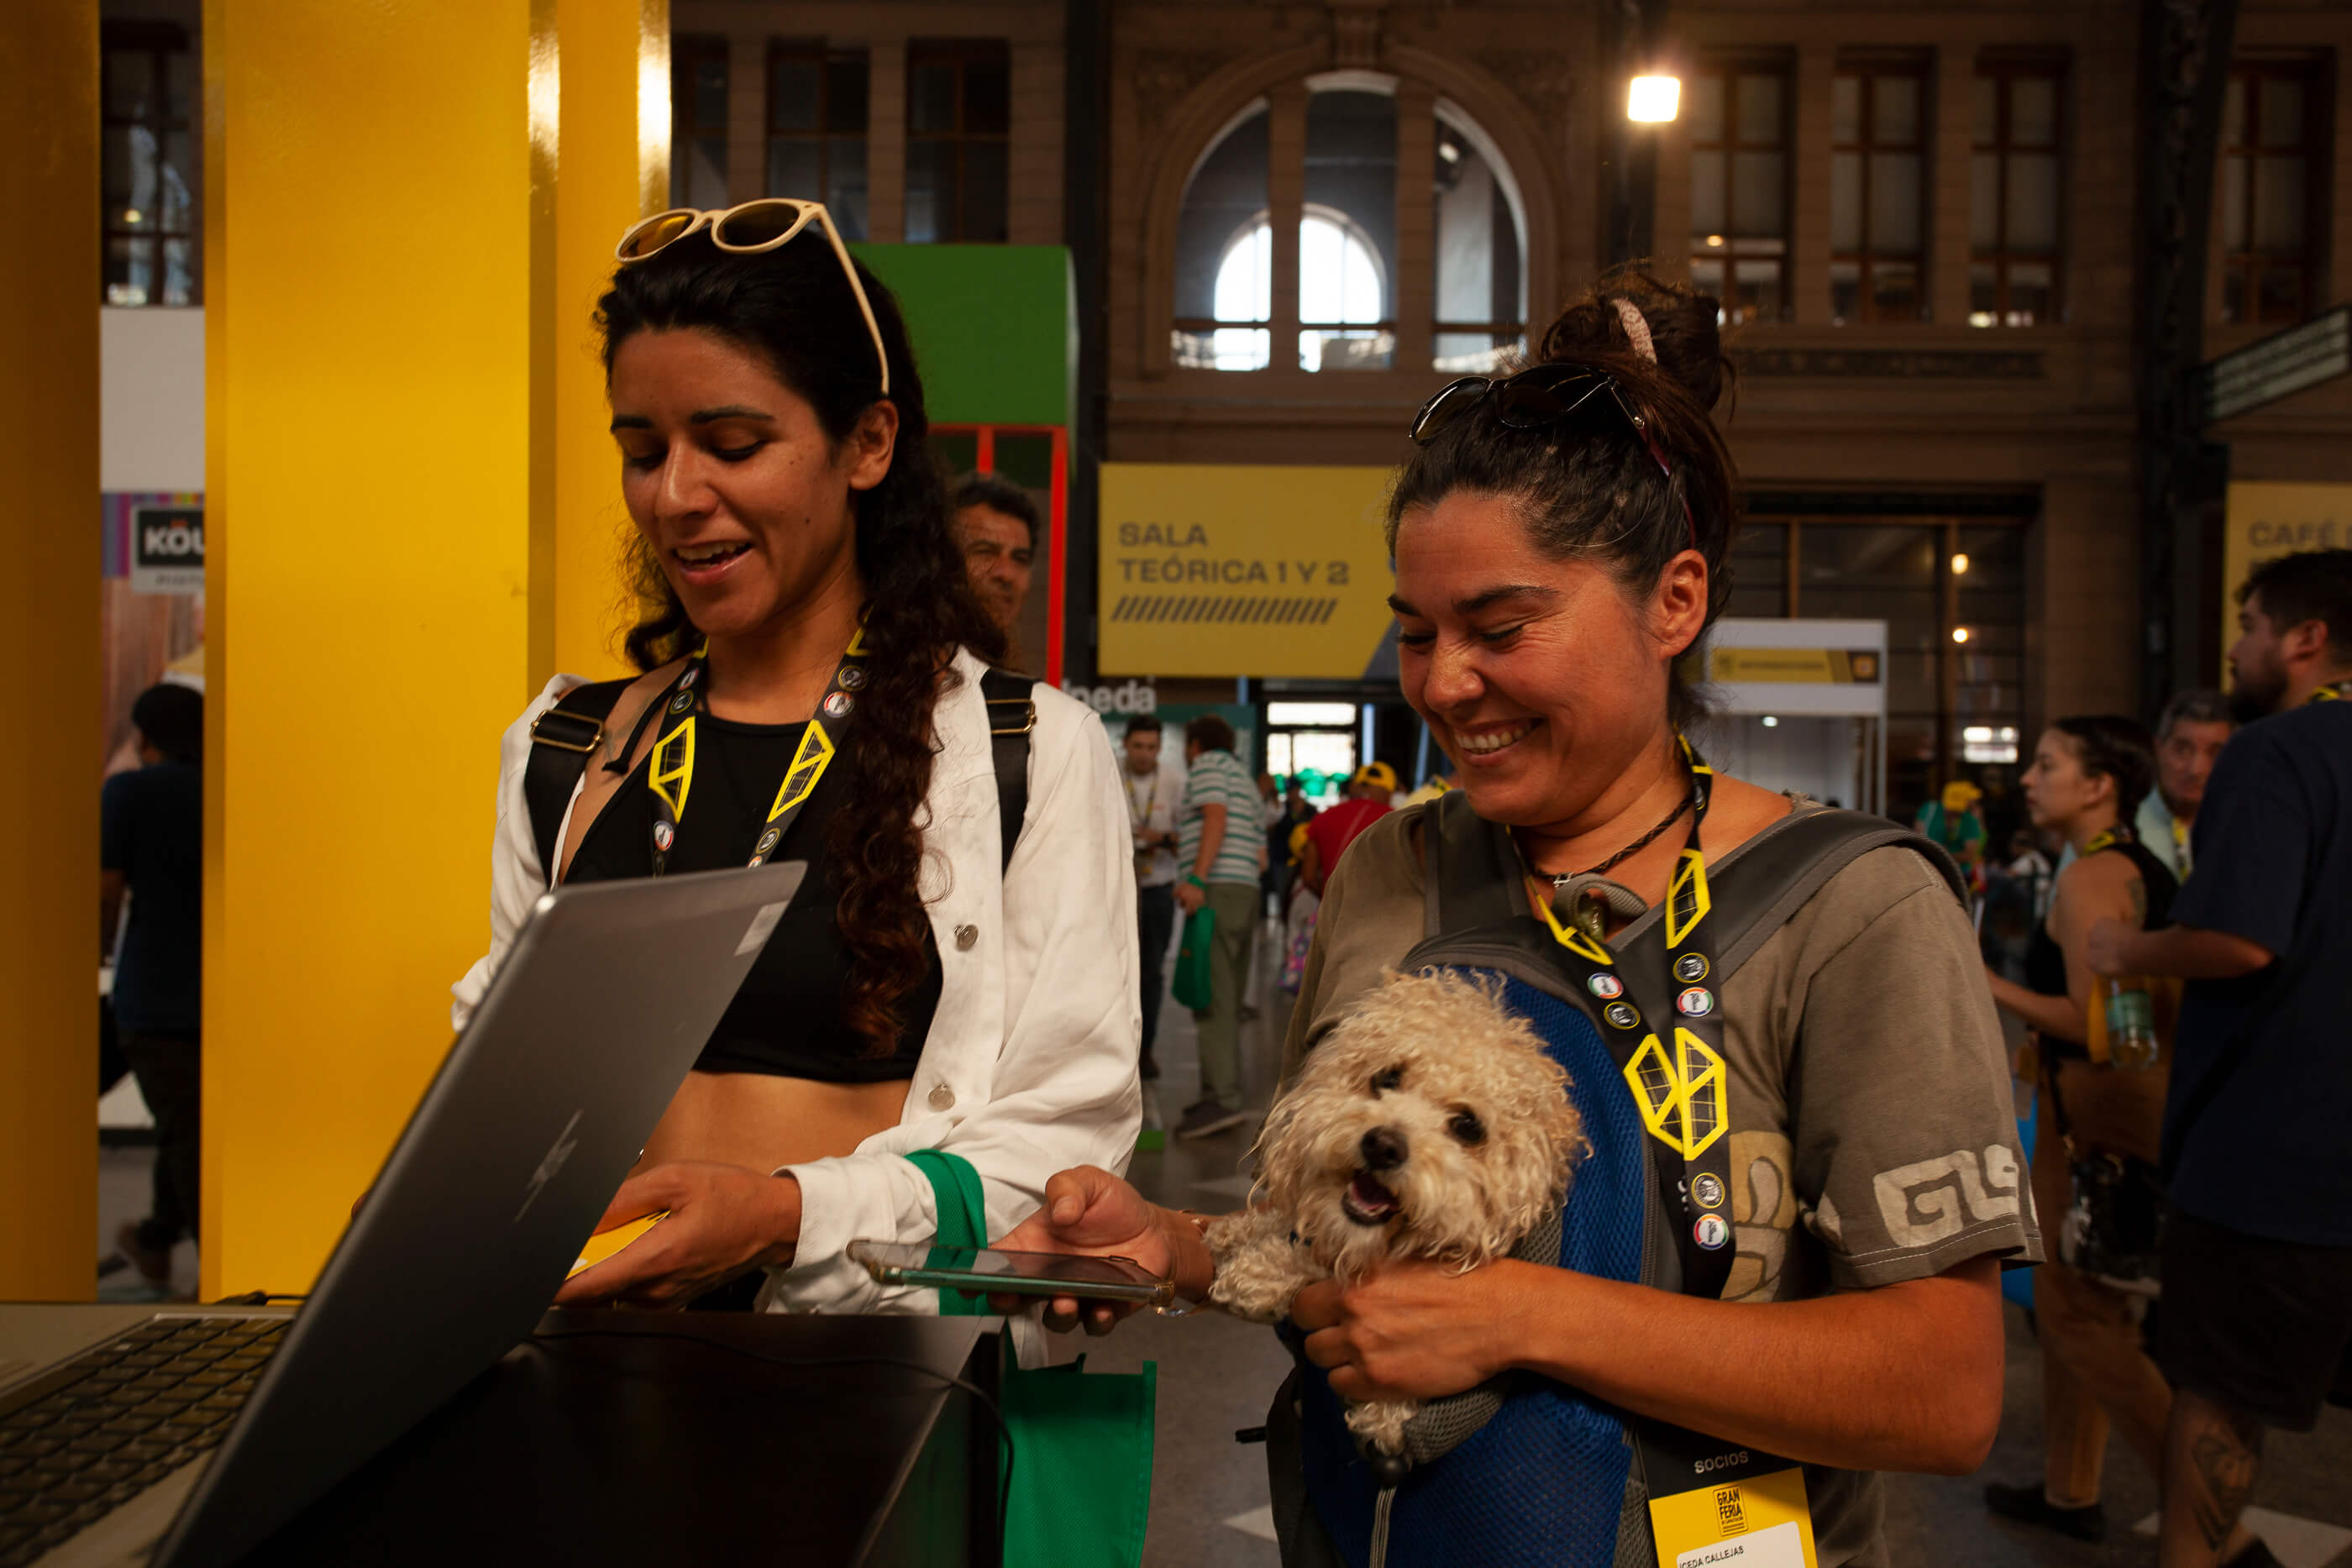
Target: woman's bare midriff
{"points": [[762, 1121]]}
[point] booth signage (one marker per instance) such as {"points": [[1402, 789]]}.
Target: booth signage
{"points": [[2278, 366], [1216, 570], [1805, 666], [1134, 696], [167, 549], [2264, 521]]}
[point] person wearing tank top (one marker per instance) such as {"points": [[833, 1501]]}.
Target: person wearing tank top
{"points": [[810, 655], [2088, 776]]}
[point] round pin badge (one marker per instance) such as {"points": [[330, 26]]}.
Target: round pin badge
{"points": [[1608, 987], [664, 836], [768, 839], [1713, 1230], [1622, 1015], [853, 677], [681, 703], [838, 704], [1697, 1002], [1691, 968], [1706, 1191], [693, 673]]}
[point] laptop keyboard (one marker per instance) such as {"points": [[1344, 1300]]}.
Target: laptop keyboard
{"points": [[88, 1437]]}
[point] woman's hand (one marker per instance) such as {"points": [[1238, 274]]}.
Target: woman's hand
{"points": [[1191, 896], [724, 1221], [1088, 1212], [1415, 1330]]}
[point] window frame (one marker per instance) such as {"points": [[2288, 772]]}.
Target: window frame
{"points": [[686, 51], [2004, 70], [1963, 695], [160, 42], [824, 55], [962, 53], [1729, 68], [2245, 269], [1869, 72]]}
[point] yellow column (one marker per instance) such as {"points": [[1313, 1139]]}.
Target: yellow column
{"points": [[615, 164], [48, 630], [398, 356]]}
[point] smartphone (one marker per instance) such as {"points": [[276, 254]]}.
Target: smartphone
{"points": [[984, 1270]]}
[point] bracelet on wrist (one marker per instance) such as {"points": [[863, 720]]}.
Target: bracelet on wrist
{"points": [[1195, 878]]}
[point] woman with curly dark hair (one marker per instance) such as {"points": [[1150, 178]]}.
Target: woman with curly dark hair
{"points": [[812, 659]]}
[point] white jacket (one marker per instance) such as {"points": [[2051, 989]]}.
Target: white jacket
{"points": [[1030, 1064]]}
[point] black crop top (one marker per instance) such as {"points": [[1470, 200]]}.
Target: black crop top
{"points": [[2045, 961], [787, 1018]]}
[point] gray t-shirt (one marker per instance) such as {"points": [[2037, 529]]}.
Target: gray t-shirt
{"points": [[1874, 1137]]}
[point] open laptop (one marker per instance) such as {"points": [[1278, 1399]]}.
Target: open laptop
{"points": [[181, 1437]]}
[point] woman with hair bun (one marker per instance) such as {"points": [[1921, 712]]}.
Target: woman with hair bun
{"points": [[931, 987], [1805, 1125]]}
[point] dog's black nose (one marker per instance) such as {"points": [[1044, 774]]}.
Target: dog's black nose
{"points": [[1382, 1149]]}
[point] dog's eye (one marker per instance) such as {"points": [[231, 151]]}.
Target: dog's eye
{"points": [[1389, 1077], [1467, 1128]]}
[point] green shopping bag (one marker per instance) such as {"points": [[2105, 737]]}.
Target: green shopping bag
{"points": [[1079, 1447], [1190, 985]]}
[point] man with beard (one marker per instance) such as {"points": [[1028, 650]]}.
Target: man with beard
{"points": [[996, 523], [2258, 1251]]}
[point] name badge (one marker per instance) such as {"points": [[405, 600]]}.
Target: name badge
{"points": [[1716, 1505]]}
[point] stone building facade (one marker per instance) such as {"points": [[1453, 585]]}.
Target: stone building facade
{"points": [[1921, 219]]}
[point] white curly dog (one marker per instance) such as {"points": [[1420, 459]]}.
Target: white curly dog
{"points": [[1428, 1124]]}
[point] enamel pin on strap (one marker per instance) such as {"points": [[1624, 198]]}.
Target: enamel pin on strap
{"points": [[1675, 1074], [670, 775]]}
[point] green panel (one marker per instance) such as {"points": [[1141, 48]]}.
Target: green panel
{"points": [[994, 326]]}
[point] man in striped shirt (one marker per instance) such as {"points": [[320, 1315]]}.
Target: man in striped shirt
{"points": [[1217, 849]]}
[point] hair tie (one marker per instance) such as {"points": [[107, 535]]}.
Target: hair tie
{"points": [[1636, 329]]}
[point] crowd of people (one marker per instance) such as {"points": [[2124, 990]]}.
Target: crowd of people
{"points": [[826, 627]]}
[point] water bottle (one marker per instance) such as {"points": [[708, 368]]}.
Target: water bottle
{"points": [[2128, 1005]]}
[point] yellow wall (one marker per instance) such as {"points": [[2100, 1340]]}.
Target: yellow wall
{"points": [[48, 633], [391, 513]]}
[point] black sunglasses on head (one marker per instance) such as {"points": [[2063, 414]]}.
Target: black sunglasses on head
{"points": [[1544, 395]]}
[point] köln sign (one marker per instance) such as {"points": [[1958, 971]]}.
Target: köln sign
{"points": [[167, 549]]}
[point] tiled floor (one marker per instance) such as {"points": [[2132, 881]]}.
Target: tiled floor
{"points": [[1209, 1500]]}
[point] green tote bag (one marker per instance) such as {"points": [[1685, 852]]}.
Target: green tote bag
{"points": [[1080, 1446], [1190, 984]]}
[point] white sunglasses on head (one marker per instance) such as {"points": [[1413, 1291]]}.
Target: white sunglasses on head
{"points": [[764, 224]]}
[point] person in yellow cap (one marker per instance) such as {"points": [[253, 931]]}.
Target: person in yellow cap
{"points": [[1331, 834], [1953, 822]]}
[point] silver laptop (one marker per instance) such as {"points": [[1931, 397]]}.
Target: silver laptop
{"points": [[183, 1437]]}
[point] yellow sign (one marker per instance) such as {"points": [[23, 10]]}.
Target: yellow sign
{"points": [[1764, 1522], [1208, 569], [1798, 666], [2266, 521]]}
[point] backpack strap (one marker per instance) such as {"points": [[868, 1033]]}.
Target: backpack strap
{"points": [[1771, 879], [561, 741], [1012, 715], [1471, 872]]}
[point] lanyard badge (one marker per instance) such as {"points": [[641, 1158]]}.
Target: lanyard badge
{"points": [[670, 774], [1710, 1502]]}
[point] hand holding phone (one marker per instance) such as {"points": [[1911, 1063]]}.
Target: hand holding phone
{"points": [[990, 1272]]}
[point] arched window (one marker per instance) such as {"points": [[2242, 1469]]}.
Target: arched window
{"points": [[1349, 271], [1482, 301]]}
